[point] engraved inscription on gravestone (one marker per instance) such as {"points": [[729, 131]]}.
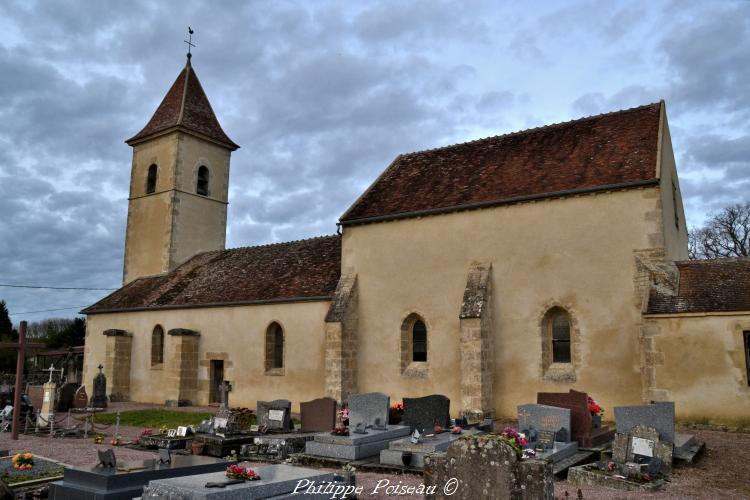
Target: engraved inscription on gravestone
{"points": [[277, 415], [640, 446]]}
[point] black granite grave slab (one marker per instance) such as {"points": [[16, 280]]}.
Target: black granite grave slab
{"points": [[222, 446], [427, 412], [128, 479]]}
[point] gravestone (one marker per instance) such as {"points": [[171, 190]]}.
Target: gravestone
{"points": [[484, 467], [411, 452], [370, 409], [318, 415], [641, 445], [127, 479], [276, 481], [99, 399], [659, 415], [81, 399], [547, 429], [581, 423], [275, 415], [427, 412], [66, 397], [35, 394]]}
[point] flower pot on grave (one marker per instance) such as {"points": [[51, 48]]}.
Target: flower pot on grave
{"points": [[394, 417], [197, 448], [596, 421]]}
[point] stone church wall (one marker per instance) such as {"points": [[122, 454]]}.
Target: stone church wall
{"points": [[576, 253], [698, 361], [235, 335]]}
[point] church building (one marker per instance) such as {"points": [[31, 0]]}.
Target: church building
{"points": [[541, 260]]}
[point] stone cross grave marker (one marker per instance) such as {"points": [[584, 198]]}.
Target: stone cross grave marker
{"points": [[318, 415], [659, 415], [370, 409], [538, 421], [427, 412], [274, 414]]}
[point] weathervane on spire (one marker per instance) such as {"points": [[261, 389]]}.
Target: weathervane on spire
{"points": [[189, 41]]}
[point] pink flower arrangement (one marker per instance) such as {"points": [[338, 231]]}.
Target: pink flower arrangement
{"points": [[456, 429]]}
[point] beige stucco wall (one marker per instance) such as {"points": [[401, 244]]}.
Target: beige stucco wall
{"points": [[675, 235], [235, 334], [701, 366], [575, 252], [166, 228]]}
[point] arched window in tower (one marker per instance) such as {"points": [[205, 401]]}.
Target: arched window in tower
{"points": [[274, 347], [151, 179], [419, 341], [559, 324], [202, 187], [157, 346]]}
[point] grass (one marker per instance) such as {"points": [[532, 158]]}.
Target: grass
{"points": [[155, 418]]}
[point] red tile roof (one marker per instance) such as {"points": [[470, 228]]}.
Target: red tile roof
{"points": [[297, 270], [615, 149], [721, 285], [185, 106]]}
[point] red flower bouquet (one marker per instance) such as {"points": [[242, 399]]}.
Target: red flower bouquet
{"points": [[595, 408], [239, 472]]}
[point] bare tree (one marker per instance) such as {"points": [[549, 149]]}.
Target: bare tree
{"points": [[726, 234]]}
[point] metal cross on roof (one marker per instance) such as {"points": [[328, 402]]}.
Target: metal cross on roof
{"points": [[189, 41]]}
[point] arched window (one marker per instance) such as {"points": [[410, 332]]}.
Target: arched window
{"points": [[151, 179], [274, 347], [157, 346], [202, 187], [419, 341], [560, 325]]}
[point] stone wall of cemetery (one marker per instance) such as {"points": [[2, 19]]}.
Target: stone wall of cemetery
{"points": [[698, 361], [235, 335], [575, 252]]}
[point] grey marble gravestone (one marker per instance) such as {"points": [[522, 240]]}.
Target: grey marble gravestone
{"points": [[371, 409], [128, 479], [427, 412], [658, 415], [544, 418], [276, 481], [318, 415], [548, 430], [275, 414]]}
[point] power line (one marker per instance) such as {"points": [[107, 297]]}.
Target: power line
{"points": [[47, 310], [56, 287]]}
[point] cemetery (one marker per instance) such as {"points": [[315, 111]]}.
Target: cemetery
{"points": [[557, 443]]}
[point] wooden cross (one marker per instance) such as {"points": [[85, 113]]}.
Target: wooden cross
{"points": [[189, 41]]}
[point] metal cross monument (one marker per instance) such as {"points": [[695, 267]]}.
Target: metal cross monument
{"points": [[189, 41]]}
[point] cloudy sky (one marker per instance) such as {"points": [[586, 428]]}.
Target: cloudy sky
{"points": [[322, 96]]}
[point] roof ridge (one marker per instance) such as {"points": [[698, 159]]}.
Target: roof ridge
{"points": [[532, 129], [279, 243], [721, 260]]}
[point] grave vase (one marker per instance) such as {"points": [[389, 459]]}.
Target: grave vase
{"points": [[596, 421]]}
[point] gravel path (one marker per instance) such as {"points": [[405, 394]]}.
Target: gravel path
{"points": [[720, 474]]}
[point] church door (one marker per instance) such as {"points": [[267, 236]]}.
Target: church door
{"points": [[217, 377]]}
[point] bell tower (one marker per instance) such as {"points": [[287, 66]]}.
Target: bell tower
{"points": [[179, 182]]}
